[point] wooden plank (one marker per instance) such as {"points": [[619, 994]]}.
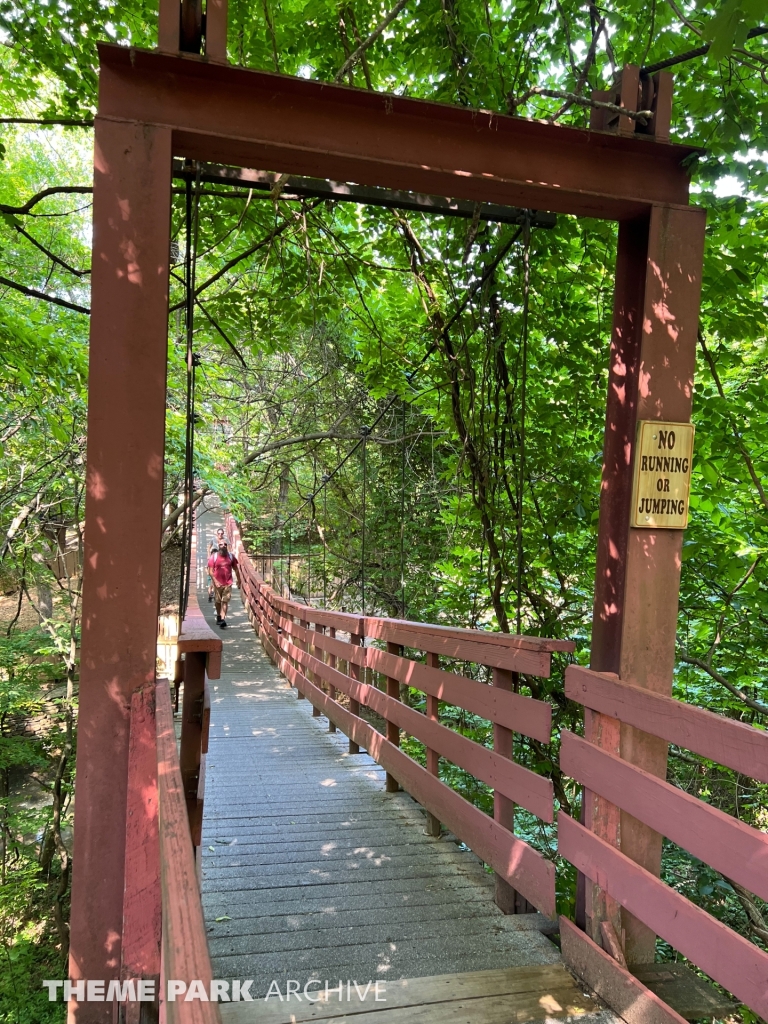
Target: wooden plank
{"points": [[341, 620], [532, 988], [140, 945], [512, 641], [521, 865], [624, 993], [355, 671], [185, 949], [735, 744], [340, 648], [517, 783], [684, 990], [732, 961], [723, 842], [196, 634], [511, 710], [479, 647]]}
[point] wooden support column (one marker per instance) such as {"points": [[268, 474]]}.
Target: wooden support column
{"points": [[507, 899], [313, 677], [653, 354], [393, 731], [304, 647], [356, 673], [124, 476], [433, 758]]}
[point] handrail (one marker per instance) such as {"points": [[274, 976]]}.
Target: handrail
{"points": [[723, 842], [185, 948]]}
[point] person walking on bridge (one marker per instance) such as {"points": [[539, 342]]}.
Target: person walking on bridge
{"points": [[212, 551], [221, 565]]}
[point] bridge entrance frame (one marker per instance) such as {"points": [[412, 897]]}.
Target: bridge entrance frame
{"points": [[160, 104]]}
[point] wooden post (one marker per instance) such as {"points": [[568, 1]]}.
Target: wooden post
{"points": [[331, 688], [433, 758], [653, 353], [191, 745], [124, 475], [354, 670], [393, 731], [304, 647], [507, 899], [314, 678]]}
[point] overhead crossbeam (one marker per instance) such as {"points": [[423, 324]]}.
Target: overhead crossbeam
{"points": [[248, 118], [294, 187]]}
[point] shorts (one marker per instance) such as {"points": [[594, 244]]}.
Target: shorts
{"points": [[222, 595]]}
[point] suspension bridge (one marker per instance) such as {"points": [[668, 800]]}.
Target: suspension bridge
{"points": [[297, 829]]}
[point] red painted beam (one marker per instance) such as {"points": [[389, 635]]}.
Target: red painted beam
{"points": [[276, 122], [735, 744], [718, 839]]}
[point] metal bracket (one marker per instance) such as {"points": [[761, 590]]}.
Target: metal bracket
{"points": [[190, 780]]}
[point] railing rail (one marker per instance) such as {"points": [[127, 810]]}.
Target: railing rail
{"points": [[719, 840], [303, 642]]}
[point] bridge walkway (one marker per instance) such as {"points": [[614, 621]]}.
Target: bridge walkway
{"points": [[310, 870]]}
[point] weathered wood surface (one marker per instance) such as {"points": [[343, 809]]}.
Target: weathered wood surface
{"points": [[532, 874], [140, 947], [482, 997], [718, 839], [512, 710], [518, 783], [721, 739], [728, 958], [311, 867], [626, 994]]}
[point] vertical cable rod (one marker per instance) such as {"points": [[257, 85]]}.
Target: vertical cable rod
{"points": [[523, 399], [325, 541], [364, 432], [402, 516]]}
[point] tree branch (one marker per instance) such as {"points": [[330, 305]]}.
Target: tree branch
{"points": [[53, 191], [741, 446], [267, 240], [51, 255], [642, 116], [719, 678], [67, 122], [355, 56], [35, 294]]}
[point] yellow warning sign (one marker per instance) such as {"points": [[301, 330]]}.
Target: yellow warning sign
{"points": [[662, 475]]}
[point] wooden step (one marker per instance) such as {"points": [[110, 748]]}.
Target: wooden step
{"points": [[508, 996], [682, 989]]}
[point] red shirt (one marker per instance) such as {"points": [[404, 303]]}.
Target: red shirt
{"points": [[221, 567]]}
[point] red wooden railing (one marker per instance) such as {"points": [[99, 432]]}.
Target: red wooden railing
{"points": [[164, 934], [717, 839], [303, 642], [311, 659]]}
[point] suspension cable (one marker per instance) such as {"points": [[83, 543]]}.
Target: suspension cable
{"points": [[523, 386], [402, 515], [325, 542], [364, 431], [191, 225]]}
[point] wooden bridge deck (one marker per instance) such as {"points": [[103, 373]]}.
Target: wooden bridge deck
{"points": [[311, 870]]}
